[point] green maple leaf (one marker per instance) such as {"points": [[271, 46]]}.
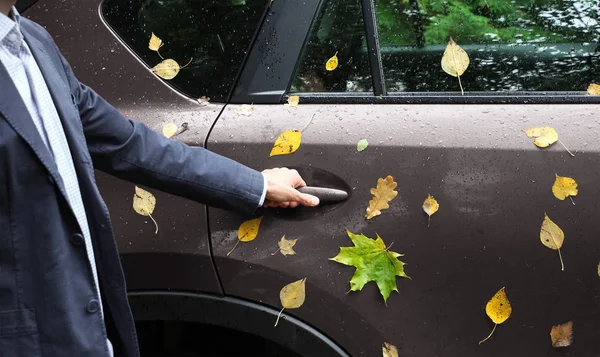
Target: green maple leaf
{"points": [[373, 262]]}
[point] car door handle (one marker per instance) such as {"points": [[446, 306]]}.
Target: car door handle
{"points": [[325, 195]]}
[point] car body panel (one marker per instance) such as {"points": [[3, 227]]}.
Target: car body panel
{"points": [[179, 254], [493, 186]]}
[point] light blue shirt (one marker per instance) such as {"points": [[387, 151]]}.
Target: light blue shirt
{"points": [[20, 64]]}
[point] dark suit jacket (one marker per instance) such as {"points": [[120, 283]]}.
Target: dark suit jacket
{"points": [[45, 280]]}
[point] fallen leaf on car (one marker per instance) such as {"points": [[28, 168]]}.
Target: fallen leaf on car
{"points": [[247, 231], [168, 68], [287, 143], [184, 126], [292, 296], [362, 144], [155, 43], [332, 63], [562, 335], [244, 109], [598, 269], [204, 101], [292, 101], [169, 129], [389, 350], [382, 194], [544, 137], [286, 246], [498, 310], [430, 206], [593, 89], [552, 237], [374, 262], [455, 61], [564, 187], [144, 203]]}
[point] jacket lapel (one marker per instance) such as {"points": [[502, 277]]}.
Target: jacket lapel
{"points": [[15, 112], [62, 98]]}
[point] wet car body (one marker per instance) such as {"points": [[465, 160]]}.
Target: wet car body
{"points": [[470, 153]]}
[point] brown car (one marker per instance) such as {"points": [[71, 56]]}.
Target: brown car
{"points": [[530, 65]]}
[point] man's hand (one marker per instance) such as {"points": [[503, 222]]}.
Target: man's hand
{"points": [[281, 190]]}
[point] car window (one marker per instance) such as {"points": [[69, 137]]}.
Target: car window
{"points": [[338, 30], [514, 45], [23, 5], [214, 34]]}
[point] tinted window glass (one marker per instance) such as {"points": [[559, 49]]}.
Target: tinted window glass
{"points": [[514, 45], [338, 28], [23, 5], [215, 34]]}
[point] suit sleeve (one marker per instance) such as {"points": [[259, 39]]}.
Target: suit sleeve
{"points": [[131, 151]]}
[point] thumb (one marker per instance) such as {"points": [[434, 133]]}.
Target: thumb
{"points": [[307, 200]]}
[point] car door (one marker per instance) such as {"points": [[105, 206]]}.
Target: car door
{"points": [[493, 185]]}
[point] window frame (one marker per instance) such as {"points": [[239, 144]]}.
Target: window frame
{"points": [[252, 87], [170, 84]]}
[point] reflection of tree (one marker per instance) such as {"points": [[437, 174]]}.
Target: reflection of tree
{"points": [[415, 16], [418, 22], [515, 45]]}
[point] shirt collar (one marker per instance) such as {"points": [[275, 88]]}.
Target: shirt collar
{"points": [[15, 15], [7, 24]]}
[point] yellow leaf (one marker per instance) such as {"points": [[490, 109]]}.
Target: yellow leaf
{"points": [[455, 61], [430, 206], [498, 310], [169, 130], [593, 89], [168, 69], [293, 101], [332, 63], [389, 350], [544, 137], [204, 100], [292, 296], [247, 231], [562, 335], [245, 109], [286, 246], [552, 237], [287, 143], [598, 269], [155, 42], [382, 194], [564, 187], [144, 203]]}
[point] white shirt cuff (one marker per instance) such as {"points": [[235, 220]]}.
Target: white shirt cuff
{"points": [[264, 194]]}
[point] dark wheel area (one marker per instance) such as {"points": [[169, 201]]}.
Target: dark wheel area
{"points": [[192, 339], [179, 324]]}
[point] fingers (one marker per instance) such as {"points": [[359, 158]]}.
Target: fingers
{"points": [[270, 204], [284, 204], [307, 200], [298, 181], [281, 189]]}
